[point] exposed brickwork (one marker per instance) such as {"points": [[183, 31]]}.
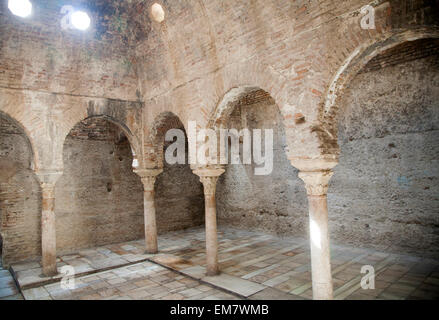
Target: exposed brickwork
{"points": [[406, 51], [99, 199], [132, 71], [20, 196]]}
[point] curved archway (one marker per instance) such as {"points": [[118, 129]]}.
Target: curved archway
{"points": [[179, 194], [133, 141], [162, 123], [350, 68], [20, 195], [23, 131], [383, 191], [99, 199], [273, 202]]}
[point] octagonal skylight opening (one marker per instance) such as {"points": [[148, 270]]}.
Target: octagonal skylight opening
{"points": [[157, 12]]}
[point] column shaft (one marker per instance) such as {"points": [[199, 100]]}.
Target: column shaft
{"points": [[209, 178], [48, 230], [320, 252], [316, 183], [149, 177], [150, 222], [211, 235]]}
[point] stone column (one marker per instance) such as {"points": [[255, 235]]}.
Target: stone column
{"points": [[316, 175], [48, 224], [209, 178], [148, 177]]}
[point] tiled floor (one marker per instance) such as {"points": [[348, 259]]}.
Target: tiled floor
{"points": [[254, 266], [85, 262], [8, 289], [143, 280]]}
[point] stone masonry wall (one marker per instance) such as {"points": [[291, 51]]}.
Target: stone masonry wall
{"points": [[384, 193], [179, 197], [275, 203], [99, 199]]}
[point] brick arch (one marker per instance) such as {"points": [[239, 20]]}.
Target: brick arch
{"points": [[132, 139], [227, 104], [241, 78], [302, 142], [125, 115], [329, 107], [221, 113], [162, 123], [19, 124]]}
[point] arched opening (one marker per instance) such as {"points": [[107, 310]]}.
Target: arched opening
{"points": [[20, 196], [99, 199], [275, 202], [179, 193], [384, 193]]}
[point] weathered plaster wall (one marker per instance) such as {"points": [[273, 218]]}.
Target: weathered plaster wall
{"points": [[20, 196], [384, 193], [275, 203], [99, 199], [179, 197]]}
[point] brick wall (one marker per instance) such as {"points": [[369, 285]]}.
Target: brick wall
{"points": [[99, 199], [20, 196], [50, 79], [37, 54]]}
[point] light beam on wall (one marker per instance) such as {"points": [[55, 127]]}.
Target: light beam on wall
{"points": [[80, 20], [21, 8], [316, 236]]}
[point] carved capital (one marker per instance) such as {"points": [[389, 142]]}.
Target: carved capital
{"points": [[148, 177], [209, 178], [209, 184], [48, 177], [148, 183], [315, 164], [316, 182]]}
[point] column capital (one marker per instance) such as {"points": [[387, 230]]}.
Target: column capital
{"points": [[148, 177], [48, 178], [316, 182], [314, 164], [148, 172], [209, 178], [209, 172]]}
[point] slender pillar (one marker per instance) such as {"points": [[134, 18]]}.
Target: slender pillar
{"points": [[148, 179], [209, 178], [48, 224], [316, 183]]}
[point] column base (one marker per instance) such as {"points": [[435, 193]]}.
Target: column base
{"points": [[50, 272], [151, 251], [213, 273]]}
